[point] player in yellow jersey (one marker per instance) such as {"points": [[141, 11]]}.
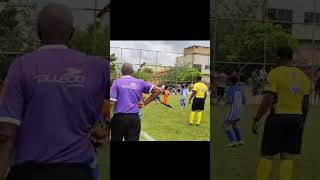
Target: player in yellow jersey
{"points": [[199, 95], [287, 97]]}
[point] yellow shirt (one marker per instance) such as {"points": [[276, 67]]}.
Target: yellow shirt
{"points": [[291, 85], [200, 88]]}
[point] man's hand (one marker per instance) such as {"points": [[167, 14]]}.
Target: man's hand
{"points": [[255, 126], [141, 104], [100, 136]]}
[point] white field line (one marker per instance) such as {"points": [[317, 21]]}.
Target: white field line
{"points": [[147, 136]]}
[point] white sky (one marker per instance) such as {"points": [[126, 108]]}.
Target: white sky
{"points": [[165, 59]]}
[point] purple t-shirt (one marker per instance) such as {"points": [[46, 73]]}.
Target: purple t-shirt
{"points": [[55, 96], [127, 92]]}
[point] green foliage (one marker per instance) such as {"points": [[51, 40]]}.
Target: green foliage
{"points": [[181, 74], [114, 67], [145, 74], [249, 45]]}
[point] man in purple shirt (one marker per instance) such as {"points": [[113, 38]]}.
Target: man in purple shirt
{"points": [[51, 101], [126, 94]]}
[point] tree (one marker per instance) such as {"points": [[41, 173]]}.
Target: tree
{"points": [[145, 74], [249, 45], [16, 35], [180, 74], [114, 67]]}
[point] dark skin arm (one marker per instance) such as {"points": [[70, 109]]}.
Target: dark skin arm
{"points": [[8, 133], [263, 109], [193, 94], [155, 92], [305, 107]]}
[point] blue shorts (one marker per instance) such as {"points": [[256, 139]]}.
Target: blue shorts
{"points": [[231, 121]]}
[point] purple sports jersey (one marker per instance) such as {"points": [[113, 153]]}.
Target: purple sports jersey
{"points": [[55, 95], [127, 92]]}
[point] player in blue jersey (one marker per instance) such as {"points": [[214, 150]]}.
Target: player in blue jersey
{"points": [[236, 100], [183, 96]]}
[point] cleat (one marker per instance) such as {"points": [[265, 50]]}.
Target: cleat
{"points": [[240, 143], [231, 145]]}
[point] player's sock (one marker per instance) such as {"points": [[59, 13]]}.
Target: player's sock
{"points": [[237, 133], [181, 103], [168, 106], [199, 117], [264, 169], [192, 115], [230, 135], [286, 167]]}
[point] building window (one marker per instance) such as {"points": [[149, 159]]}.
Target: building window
{"points": [[198, 67], [311, 17], [279, 15], [206, 67]]}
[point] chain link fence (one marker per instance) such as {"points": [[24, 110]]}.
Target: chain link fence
{"points": [[160, 67], [245, 42], [18, 28]]}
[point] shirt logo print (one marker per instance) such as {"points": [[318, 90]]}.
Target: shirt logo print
{"points": [[71, 78], [129, 86]]}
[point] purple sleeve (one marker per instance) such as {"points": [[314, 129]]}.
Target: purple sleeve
{"points": [[12, 102], [114, 91], [147, 87]]}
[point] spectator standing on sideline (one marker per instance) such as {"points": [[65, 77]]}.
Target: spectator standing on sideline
{"points": [[126, 95], [52, 99]]}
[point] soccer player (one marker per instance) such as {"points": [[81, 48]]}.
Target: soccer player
{"points": [[184, 92], [199, 95], [286, 94], [221, 86], [236, 99], [126, 95], [166, 95], [51, 102]]}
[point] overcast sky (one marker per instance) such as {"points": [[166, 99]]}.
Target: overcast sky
{"points": [[165, 59]]}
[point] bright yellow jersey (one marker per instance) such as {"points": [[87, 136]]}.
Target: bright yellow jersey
{"points": [[200, 88], [290, 85]]}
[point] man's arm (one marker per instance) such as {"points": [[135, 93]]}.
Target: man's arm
{"points": [[265, 105], [305, 106], [155, 92], [112, 105], [8, 134]]}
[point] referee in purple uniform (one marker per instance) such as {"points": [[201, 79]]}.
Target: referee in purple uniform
{"points": [[52, 98], [126, 93]]}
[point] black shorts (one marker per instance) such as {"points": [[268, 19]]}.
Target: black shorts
{"points": [[198, 104], [125, 126], [220, 91], [282, 134], [33, 171]]}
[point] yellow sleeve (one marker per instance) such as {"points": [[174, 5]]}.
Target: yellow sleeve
{"points": [[271, 84], [195, 87]]}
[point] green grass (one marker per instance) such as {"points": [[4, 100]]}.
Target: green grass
{"points": [[171, 125], [104, 162], [240, 163]]}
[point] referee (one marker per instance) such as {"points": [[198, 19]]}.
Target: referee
{"points": [[286, 95], [52, 99], [126, 95], [199, 95]]}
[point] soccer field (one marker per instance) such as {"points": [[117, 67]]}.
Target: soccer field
{"points": [[104, 162], [163, 124], [240, 163]]}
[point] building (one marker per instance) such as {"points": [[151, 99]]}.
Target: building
{"points": [[197, 57]]}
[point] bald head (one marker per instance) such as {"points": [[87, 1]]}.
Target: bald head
{"points": [[127, 69], [55, 24]]}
